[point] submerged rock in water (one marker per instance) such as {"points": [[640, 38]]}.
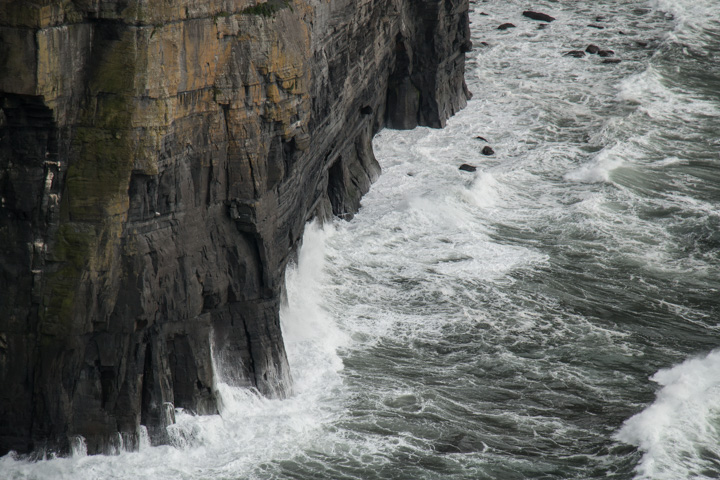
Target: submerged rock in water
{"points": [[505, 26], [574, 53], [606, 53], [487, 150], [543, 17], [592, 49], [466, 167]]}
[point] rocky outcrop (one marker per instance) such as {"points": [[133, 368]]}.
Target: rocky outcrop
{"points": [[543, 17], [158, 163]]}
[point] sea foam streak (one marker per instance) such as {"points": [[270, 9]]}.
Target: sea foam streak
{"points": [[691, 14], [679, 431]]}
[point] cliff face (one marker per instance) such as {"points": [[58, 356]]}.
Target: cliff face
{"points": [[158, 161]]}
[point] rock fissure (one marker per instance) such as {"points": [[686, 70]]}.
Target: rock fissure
{"points": [[252, 372]]}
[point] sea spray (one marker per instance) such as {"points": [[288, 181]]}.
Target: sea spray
{"points": [[679, 433], [312, 338]]}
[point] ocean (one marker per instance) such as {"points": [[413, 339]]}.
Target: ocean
{"points": [[553, 315]]}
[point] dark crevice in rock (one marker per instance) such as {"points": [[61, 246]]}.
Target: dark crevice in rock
{"points": [[276, 163], [403, 98], [252, 372], [336, 188], [147, 414], [289, 147], [107, 381]]}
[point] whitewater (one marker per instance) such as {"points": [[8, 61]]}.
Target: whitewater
{"points": [[553, 315]]}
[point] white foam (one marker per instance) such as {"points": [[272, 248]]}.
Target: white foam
{"points": [[484, 190], [78, 446], [679, 431], [143, 438], [312, 338], [597, 170], [660, 101], [690, 14]]}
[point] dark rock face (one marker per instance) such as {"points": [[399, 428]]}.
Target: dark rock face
{"points": [[543, 17], [158, 163]]}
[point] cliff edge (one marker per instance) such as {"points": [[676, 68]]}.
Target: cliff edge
{"points": [[158, 163]]}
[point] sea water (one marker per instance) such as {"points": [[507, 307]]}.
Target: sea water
{"points": [[553, 315]]}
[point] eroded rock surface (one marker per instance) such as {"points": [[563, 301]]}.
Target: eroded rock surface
{"points": [[158, 163]]}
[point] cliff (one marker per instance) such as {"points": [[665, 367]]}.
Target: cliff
{"points": [[158, 162]]}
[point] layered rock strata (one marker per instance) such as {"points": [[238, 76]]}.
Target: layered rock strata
{"points": [[158, 162]]}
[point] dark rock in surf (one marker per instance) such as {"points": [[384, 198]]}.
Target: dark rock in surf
{"points": [[465, 167], [599, 27], [612, 60], [505, 26], [481, 138], [487, 150], [574, 53], [606, 53], [543, 17], [592, 49]]}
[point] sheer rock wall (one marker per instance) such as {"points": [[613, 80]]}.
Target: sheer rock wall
{"points": [[158, 162]]}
